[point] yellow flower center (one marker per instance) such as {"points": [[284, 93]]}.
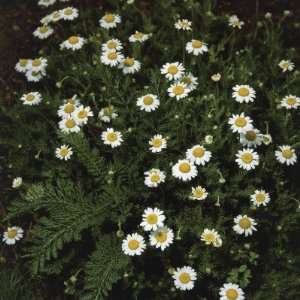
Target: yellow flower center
{"points": [[178, 90], [36, 62], [43, 29], [68, 11], [184, 277], [112, 55], [243, 92], [197, 44], [30, 97], [231, 294], [133, 244], [64, 152], [156, 143], [245, 223], [260, 197], [161, 236], [152, 219], [247, 158], [198, 193], [70, 123], [108, 110], [73, 40], [111, 45], [155, 178], [138, 35], [112, 136], [291, 101], [198, 152], [184, 167], [210, 237], [285, 65], [23, 62], [173, 70], [186, 80], [148, 100], [82, 114], [69, 108], [129, 62], [240, 122], [109, 18], [11, 233], [287, 153], [250, 135]]}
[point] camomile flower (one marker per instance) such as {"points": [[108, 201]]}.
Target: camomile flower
{"points": [[244, 225], [69, 13], [133, 244], [110, 21], [46, 3], [162, 237], [196, 47], [129, 65], [198, 193], [243, 93], [184, 278], [247, 159], [43, 32], [73, 43], [154, 177], [286, 155], [235, 22], [139, 37], [178, 90], [157, 143], [81, 114], [38, 64], [260, 197], [107, 114], [290, 102], [231, 291], [68, 125], [183, 24], [111, 137], [112, 44], [211, 237], [240, 123], [198, 155], [56, 16], [184, 170], [64, 152], [12, 235], [32, 98], [251, 138], [152, 219], [68, 108], [190, 80], [286, 65], [172, 71], [148, 102], [112, 58], [17, 182], [33, 76], [22, 65]]}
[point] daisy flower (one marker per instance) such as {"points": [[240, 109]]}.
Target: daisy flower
{"points": [[32, 98], [184, 170], [33, 76], [148, 102], [81, 114], [17, 182], [110, 21], [240, 123], [290, 102], [129, 65], [69, 13], [211, 237], [46, 3], [73, 43], [243, 93], [231, 291], [260, 197], [286, 65], [68, 125], [133, 244], [235, 22], [198, 155], [12, 234], [196, 47], [251, 138], [157, 143], [38, 64], [286, 155], [112, 137], [190, 80], [107, 114], [154, 177], [56, 16], [68, 108], [112, 58], [139, 37], [247, 159], [172, 71], [184, 278], [244, 225], [112, 44], [64, 152], [43, 32], [152, 219], [22, 65], [178, 90], [198, 193], [183, 24], [162, 237]]}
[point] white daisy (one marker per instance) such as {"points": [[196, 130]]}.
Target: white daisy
{"points": [[196, 47], [286, 65], [247, 159], [12, 234], [46, 20], [55, 16], [112, 137], [243, 93], [46, 3], [152, 219], [251, 138], [244, 225], [198, 155], [33, 76], [23, 65], [286, 155], [240, 123], [290, 102], [162, 237], [67, 109], [68, 125], [112, 58], [260, 197], [173, 71], [133, 244], [184, 170], [43, 32], [157, 143], [81, 114], [129, 65], [17, 182], [38, 64], [112, 44], [139, 37], [73, 43], [211, 237], [107, 114], [198, 193], [184, 278], [178, 90], [231, 291], [148, 102], [154, 177], [183, 24], [110, 21], [64, 152], [190, 80], [235, 22], [32, 98], [69, 13]]}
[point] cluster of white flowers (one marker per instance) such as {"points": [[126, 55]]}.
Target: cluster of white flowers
{"points": [[34, 69]]}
